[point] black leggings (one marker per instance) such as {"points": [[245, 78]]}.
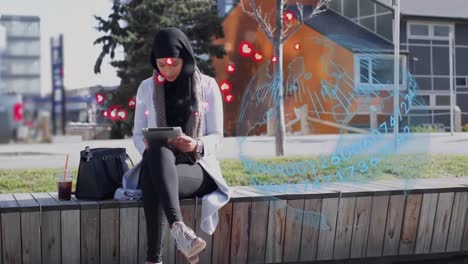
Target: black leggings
{"points": [[163, 182]]}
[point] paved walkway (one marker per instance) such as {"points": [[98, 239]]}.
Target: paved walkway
{"points": [[53, 155]]}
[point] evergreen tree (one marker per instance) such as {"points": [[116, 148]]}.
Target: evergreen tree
{"points": [[131, 27]]}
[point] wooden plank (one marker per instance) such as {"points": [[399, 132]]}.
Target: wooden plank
{"points": [[442, 222], [90, 231], [240, 232], [393, 229], [69, 229], [222, 235], [457, 223], [128, 235], [142, 239], [50, 230], [426, 223], [292, 231], [169, 252], [361, 226], [30, 228], [377, 226], [465, 235], [109, 225], [275, 233], [327, 235], [11, 238], [70, 236], [410, 224], [310, 229], [258, 231], [344, 228], [188, 215], [205, 256], [1, 259]]}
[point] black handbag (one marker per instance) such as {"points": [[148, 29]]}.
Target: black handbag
{"points": [[100, 173]]}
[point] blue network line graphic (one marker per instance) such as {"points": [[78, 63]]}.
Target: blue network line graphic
{"points": [[339, 96]]}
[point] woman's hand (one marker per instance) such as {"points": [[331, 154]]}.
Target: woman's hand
{"points": [[184, 143]]}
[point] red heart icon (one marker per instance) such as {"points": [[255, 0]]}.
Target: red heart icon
{"points": [[225, 86], [258, 56], [245, 49], [122, 114], [100, 98], [169, 61], [229, 98], [289, 16], [159, 79], [297, 46], [131, 103], [230, 68]]}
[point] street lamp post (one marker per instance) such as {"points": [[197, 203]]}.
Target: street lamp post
{"points": [[396, 69]]}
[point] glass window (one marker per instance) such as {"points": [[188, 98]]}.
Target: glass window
{"points": [[366, 8], [422, 65], [419, 30], [440, 57], [423, 100], [442, 83], [382, 71], [336, 5], [441, 31], [350, 8], [442, 100], [384, 26], [461, 82], [424, 83], [364, 65], [379, 69], [369, 23]]}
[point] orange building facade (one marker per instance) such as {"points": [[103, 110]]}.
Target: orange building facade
{"points": [[318, 73]]}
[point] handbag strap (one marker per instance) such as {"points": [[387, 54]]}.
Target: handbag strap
{"points": [[131, 161]]}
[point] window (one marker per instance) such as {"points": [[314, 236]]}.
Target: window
{"points": [[443, 100], [423, 100], [441, 31], [419, 30], [423, 30], [461, 82], [376, 72]]}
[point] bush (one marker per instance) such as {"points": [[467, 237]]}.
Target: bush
{"points": [[465, 128], [428, 128]]}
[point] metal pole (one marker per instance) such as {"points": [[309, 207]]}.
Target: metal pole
{"points": [[452, 103], [396, 68]]}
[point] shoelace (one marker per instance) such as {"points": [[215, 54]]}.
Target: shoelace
{"points": [[185, 232]]}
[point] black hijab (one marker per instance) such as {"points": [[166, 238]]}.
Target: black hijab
{"points": [[179, 96]]}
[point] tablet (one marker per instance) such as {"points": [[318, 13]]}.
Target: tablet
{"points": [[161, 133]]}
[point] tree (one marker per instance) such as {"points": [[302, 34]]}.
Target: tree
{"points": [[131, 27], [277, 36]]}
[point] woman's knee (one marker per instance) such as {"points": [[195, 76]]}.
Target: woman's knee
{"points": [[159, 150]]}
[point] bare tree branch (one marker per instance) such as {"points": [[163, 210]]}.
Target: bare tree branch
{"points": [[317, 10], [260, 17]]}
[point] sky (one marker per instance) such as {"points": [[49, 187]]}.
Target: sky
{"points": [[75, 20]]}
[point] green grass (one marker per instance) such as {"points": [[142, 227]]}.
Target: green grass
{"points": [[401, 166]]}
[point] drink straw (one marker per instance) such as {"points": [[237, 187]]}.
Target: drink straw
{"points": [[65, 173]]}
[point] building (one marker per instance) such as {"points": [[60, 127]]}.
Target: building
{"points": [[20, 70], [349, 46]]}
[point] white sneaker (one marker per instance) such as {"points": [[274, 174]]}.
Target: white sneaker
{"points": [[187, 242]]}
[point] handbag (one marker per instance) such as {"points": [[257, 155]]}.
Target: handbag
{"points": [[100, 173]]}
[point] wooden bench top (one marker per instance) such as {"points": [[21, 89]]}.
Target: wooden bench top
{"points": [[24, 202]]}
